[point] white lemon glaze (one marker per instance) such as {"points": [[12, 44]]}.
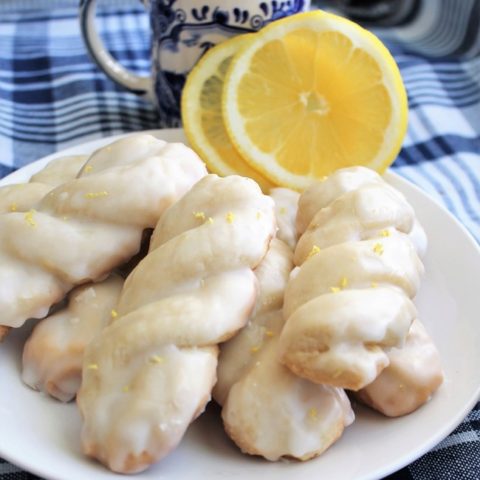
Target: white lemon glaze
{"points": [[85, 227], [350, 300], [411, 378], [53, 354], [150, 373], [267, 410]]}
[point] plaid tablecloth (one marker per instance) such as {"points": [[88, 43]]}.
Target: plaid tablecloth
{"points": [[52, 97]]}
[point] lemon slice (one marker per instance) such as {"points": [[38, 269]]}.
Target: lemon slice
{"points": [[313, 93], [202, 113]]}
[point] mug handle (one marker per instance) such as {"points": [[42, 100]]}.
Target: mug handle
{"points": [[140, 85]]}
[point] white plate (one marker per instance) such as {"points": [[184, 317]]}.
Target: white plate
{"points": [[42, 436]]}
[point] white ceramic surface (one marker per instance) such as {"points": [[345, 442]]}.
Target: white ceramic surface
{"points": [[41, 435]]}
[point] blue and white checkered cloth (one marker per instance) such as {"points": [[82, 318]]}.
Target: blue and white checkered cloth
{"points": [[52, 96]]}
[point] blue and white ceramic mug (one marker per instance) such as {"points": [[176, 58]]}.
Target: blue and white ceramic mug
{"points": [[182, 31]]}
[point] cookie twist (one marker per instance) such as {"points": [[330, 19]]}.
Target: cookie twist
{"points": [[150, 373], [19, 197], [267, 410], [350, 300], [53, 354], [84, 228], [414, 372], [411, 378], [24, 196]]}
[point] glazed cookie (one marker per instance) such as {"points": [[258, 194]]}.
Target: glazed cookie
{"points": [[22, 197], [267, 410], [53, 354], [85, 227], [349, 301], [412, 377], [150, 373]]}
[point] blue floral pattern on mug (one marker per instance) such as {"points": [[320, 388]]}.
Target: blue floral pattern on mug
{"points": [[189, 33]]}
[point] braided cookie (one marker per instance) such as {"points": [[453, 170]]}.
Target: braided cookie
{"points": [[348, 181], [414, 372], [86, 227], [53, 354], [23, 196], [150, 372], [411, 378], [350, 300], [267, 410], [19, 197]]}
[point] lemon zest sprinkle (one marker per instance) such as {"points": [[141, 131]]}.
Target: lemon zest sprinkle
{"points": [[92, 366], [282, 211], [378, 248], [29, 218], [344, 282], [270, 333], [315, 249], [210, 220], [88, 168], [13, 207], [334, 289], [322, 179], [114, 313], [91, 195], [126, 388], [313, 413], [230, 217], [374, 284], [157, 359], [199, 215], [385, 233], [255, 349]]}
